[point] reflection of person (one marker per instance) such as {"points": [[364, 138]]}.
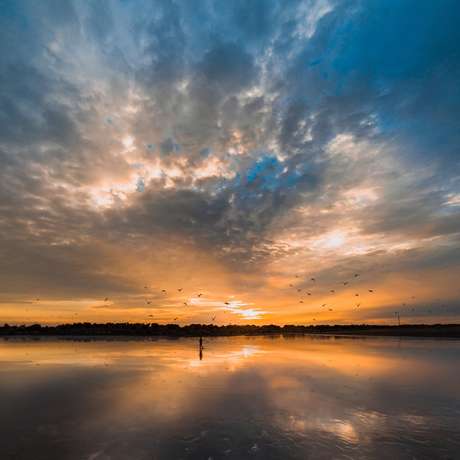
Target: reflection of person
{"points": [[201, 348]]}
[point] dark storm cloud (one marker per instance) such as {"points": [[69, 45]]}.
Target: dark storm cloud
{"points": [[262, 87]]}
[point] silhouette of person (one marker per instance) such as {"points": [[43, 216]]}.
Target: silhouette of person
{"points": [[201, 348]]}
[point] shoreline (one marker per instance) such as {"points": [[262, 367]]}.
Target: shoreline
{"points": [[144, 331]]}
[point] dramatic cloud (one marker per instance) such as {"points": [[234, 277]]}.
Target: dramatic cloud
{"points": [[154, 150]]}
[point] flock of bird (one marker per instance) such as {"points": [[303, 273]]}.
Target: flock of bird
{"points": [[299, 290], [309, 291]]}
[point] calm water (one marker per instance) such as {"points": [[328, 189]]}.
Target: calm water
{"points": [[247, 398]]}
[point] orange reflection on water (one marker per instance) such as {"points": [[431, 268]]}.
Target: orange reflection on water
{"points": [[331, 394]]}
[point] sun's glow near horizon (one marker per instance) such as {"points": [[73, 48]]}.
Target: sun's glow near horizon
{"points": [[247, 178]]}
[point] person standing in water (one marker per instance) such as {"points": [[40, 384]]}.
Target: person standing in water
{"points": [[201, 348]]}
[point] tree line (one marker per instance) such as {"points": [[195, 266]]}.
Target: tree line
{"points": [[197, 330]]}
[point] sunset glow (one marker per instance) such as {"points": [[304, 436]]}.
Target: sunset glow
{"points": [[234, 164]]}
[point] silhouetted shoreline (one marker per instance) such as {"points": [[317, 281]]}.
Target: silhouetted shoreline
{"points": [[209, 330]]}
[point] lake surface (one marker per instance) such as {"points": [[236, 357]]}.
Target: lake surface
{"points": [[246, 398]]}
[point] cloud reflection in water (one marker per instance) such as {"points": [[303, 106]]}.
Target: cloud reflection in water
{"points": [[269, 398]]}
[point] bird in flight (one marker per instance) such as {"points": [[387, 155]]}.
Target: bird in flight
{"points": [[226, 303], [148, 302], [345, 283], [105, 300], [356, 295], [299, 290], [312, 279], [180, 290], [332, 290], [185, 303], [300, 301], [163, 290], [199, 295], [356, 275], [370, 290]]}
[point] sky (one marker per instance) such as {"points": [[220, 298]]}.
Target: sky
{"points": [[287, 162]]}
